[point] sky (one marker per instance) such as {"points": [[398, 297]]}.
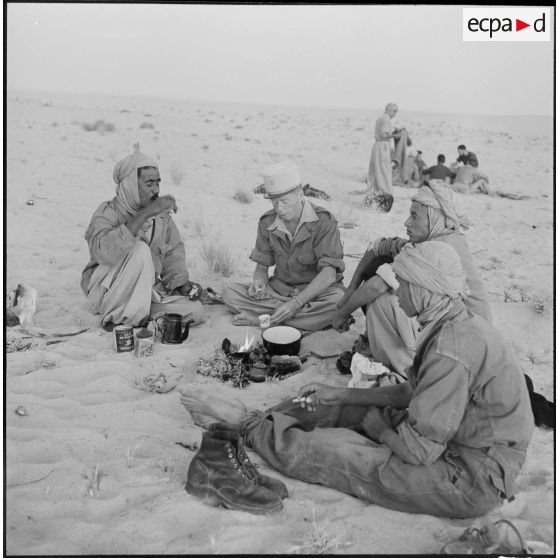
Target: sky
{"points": [[303, 55]]}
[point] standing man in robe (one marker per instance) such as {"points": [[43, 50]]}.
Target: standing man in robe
{"points": [[380, 177]]}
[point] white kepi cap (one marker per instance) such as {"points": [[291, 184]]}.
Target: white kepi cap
{"points": [[281, 178]]}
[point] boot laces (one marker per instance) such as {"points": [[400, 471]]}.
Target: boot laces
{"points": [[241, 463], [248, 466]]}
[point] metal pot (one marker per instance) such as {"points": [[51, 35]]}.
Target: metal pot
{"points": [[282, 340]]}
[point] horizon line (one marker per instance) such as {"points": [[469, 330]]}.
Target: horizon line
{"points": [[261, 103]]}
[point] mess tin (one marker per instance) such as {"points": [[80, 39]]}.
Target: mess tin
{"points": [[282, 340], [171, 329]]}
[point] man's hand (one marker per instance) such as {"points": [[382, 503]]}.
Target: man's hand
{"points": [[258, 289], [164, 204], [340, 321], [285, 311], [186, 290], [314, 394], [376, 421]]}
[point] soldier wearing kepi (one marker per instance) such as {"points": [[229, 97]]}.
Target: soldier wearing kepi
{"points": [[302, 242]]}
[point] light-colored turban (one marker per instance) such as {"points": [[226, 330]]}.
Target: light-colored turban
{"points": [[435, 276], [125, 176], [392, 106], [443, 216]]}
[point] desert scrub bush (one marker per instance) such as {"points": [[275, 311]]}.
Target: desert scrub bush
{"points": [[242, 196], [217, 256], [146, 125], [177, 173], [99, 126], [318, 540]]}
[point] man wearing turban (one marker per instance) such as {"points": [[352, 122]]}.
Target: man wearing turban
{"points": [[380, 171], [137, 255], [448, 442], [391, 333]]}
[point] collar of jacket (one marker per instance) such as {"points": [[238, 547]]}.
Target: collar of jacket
{"points": [[308, 215]]}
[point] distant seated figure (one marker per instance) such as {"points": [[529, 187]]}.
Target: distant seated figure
{"points": [[137, 255], [466, 157], [302, 241], [439, 171], [469, 180], [420, 164]]}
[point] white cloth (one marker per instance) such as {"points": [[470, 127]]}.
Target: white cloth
{"points": [[365, 372]]}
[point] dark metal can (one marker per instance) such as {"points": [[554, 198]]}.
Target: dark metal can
{"points": [[124, 338]]}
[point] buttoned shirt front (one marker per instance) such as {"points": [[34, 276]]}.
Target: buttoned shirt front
{"points": [[299, 257]]}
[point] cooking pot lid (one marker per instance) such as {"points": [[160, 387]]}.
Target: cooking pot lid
{"points": [[281, 334]]}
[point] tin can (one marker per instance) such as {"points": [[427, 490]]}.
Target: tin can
{"points": [[124, 338], [144, 343]]}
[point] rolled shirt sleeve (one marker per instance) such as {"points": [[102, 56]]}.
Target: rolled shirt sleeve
{"points": [[262, 252], [327, 245], [386, 272], [387, 246], [437, 407]]}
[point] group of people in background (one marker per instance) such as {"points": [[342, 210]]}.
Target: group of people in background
{"points": [[391, 163]]}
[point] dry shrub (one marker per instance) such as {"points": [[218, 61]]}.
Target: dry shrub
{"points": [[319, 540], [146, 125], [177, 173], [217, 256], [99, 126], [243, 196]]}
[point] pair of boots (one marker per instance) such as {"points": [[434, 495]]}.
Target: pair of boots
{"points": [[222, 475]]}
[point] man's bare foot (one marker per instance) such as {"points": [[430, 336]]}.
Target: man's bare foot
{"points": [[244, 319], [206, 408]]}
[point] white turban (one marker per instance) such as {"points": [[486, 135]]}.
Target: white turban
{"points": [[125, 176], [435, 276], [443, 216]]}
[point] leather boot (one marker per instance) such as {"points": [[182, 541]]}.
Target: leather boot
{"points": [[263, 480], [217, 475]]}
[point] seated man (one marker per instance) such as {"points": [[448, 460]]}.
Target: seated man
{"points": [[466, 157], [439, 171], [137, 255], [421, 165], [391, 333], [449, 442], [302, 241], [470, 180]]}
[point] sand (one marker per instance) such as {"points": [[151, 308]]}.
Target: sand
{"points": [[94, 468]]}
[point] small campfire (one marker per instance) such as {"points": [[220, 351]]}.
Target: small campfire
{"points": [[249, 362]]}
